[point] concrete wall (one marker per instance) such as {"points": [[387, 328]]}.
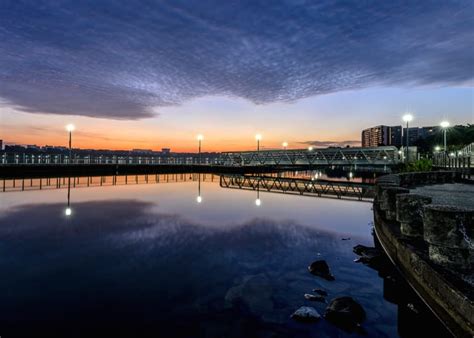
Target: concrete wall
{"points": [[430, 243]]}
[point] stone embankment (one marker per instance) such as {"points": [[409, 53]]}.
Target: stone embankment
{"points": [[425, 223]]}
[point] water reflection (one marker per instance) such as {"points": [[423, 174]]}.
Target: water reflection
{"points": [[146, 260], [199, 198], [68, 210]]}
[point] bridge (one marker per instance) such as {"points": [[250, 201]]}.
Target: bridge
{"points": [[378, 156], [296, 186]]}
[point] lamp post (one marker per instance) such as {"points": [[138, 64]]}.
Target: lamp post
{"points": [[70, 128], [407, 118], [258, 137], [200, 138], [444, 125]]}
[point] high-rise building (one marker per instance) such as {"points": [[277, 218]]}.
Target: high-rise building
{"points": [[382, 136], [1, 144], [416, 133]]}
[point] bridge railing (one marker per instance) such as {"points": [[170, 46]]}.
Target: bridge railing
{"points": [[328, 156], [461, 159], [61, 159]]}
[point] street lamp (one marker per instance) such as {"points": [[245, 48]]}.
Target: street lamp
{"points": [[70, 128], [258, 137], [407, 118], [200, 138], [437, 148], [444, 125], [285, 145]]}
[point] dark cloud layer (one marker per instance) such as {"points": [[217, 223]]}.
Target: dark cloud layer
{"points": [[117, 59]]}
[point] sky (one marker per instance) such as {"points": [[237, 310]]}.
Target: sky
{"points": [[153, 74]]}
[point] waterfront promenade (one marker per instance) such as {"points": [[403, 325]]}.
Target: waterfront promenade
{"points": [[424, 222]]}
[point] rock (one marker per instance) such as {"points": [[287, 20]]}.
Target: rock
{"points": [[320, 292], [315, 298], [345, 312], [363, 250], [306, 314], [321, 268], [372, 257]]}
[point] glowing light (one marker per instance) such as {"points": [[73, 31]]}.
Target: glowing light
{"points": [[407, 117], [437, 148], [444, 124], [258, 202], [258, 137], [285, 144], [70, 127], [199, 199], [452, 154], [351, 174], [310, 148], [200, 137], [68, 212]]}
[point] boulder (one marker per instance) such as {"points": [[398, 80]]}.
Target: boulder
{"points": [[363, 250], [345, 313], [372, 257], [315, 298], [320, 292], [306, 314], [321, 268]]}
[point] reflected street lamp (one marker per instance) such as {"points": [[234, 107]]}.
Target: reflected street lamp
{"points": [[200, 138], [258, 202], [258, 137], [407, 118], [444, 125], [199, 198], [70, 128], [68, 210]]}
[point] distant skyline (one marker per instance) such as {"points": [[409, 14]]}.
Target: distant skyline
{"points": [[141, 74]]}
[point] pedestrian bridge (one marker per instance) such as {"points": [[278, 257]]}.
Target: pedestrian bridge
{"points": [[378, 156], [298, 186]]}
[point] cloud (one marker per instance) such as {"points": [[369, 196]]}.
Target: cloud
{"points": [[122, 60], [325, 144]]}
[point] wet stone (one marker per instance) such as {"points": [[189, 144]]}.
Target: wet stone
{"points": [[345, 313], [321, 269], [320, 292], [306, 314], [315, 298]]}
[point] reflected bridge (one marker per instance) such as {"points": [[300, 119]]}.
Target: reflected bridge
{"points": [[297, 186], [377, 156]]}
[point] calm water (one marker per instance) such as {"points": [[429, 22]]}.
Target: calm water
{"points": [[150, 259]]}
